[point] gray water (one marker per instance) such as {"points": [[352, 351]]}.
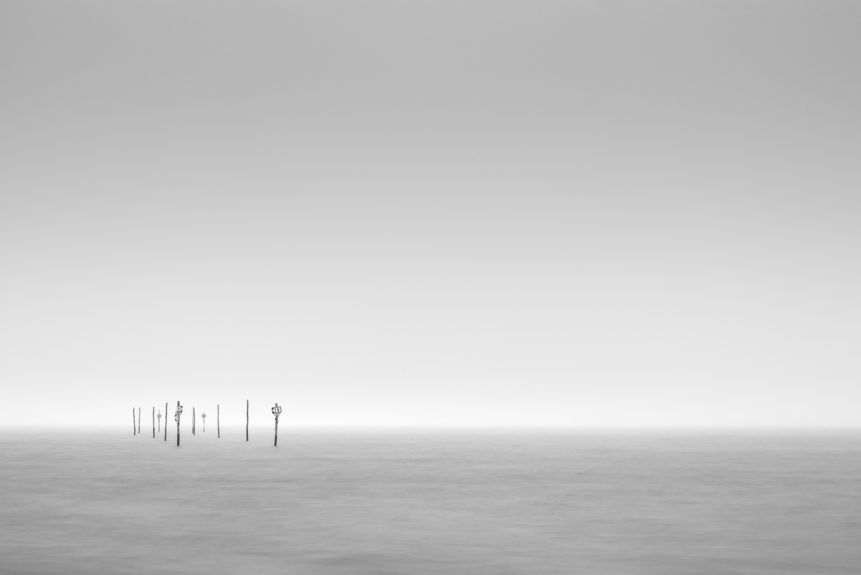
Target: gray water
{"points": [[405, 503]]}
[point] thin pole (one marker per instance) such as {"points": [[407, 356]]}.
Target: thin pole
{"points": [[246, 420], [165, 421], [218, 418], [134, 427], [276, 411], [153, 422], [177, 424]]}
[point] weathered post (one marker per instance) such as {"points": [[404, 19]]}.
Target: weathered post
{"points": [[165, 421], [193, 421], [153, 422], [276, 411], [203, 417], [178, 413], [159, 420], [134, 427], [246, 420], [218, 419]]}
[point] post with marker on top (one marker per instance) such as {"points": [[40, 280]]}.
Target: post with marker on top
{"points": [[276, 411], [176, 417]]}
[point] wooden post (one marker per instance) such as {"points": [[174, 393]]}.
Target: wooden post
{"points": [[246, 420], [218, 419], [276, 411], [178, 413], [134, 427], [153, 422], [165, 421]]}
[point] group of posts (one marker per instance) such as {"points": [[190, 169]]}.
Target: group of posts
{"points": [[136, 423]]}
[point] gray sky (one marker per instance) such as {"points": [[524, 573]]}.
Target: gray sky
{"points": [[620, 213]]}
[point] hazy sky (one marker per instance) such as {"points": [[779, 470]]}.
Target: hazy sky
{"points": [[432, 212]]}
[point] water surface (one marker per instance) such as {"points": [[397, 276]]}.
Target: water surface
{"points": [[415, 503]]}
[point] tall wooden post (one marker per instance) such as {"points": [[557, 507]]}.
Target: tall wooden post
{"points": [[193, 420], [178, 413], [165, 421], [276, 411], [134, 427], [153, 422], [218, 419], [246, 420]]}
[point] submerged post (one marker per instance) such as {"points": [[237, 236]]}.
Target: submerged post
{"points": [[276, 411], [203, 417], [134, 427], [178, 413], [218, 419], [246, 420], [165, 421]]}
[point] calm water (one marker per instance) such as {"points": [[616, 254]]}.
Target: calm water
{"points": [[405, 503]]}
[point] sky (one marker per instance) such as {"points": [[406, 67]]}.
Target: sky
{"points": [[614, 213]]}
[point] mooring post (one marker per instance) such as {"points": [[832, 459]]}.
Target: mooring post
{"points": [[203, 417], [134, 427], [276, 411], [246, 420], [218, 418], [178, 413]]}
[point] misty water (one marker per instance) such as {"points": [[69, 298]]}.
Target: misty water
{"points": [[103, 501]]}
